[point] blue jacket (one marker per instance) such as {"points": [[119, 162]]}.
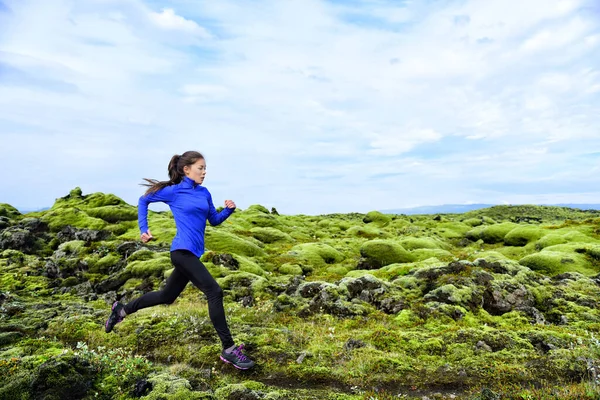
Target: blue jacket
{"points": [[192, 206]]}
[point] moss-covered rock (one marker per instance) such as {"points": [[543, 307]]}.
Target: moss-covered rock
{"points": [[555, 262], [413, 243], [153, 267], [522, 235], [58, 219], [377, 218], [6, 210], [114, 214], [270, 235], [491, 233], [369, 232], [386, 252], [219, 240]]}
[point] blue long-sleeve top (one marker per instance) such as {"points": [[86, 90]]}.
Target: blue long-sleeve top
{"points": [[191, 205]]}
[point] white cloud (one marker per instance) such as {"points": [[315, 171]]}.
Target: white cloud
{"points": [[288, 99], [167, 19]]}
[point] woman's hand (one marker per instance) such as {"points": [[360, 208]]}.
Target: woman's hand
{"points": [[229, 204], [146, 237]]}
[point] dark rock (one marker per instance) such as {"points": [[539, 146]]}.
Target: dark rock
{"points": [[309, 289], [483, 278], [16, 238], [437, 218], [248, 301], [293, 285], [4, 222], [368, 264], [34, 225], [364, 283], [69, 233], [492, 266], [146, 286], [536, 316], [7, 338], [243, 394], [142, 387], [431, 274], [506, 297], [392, 305], [113, 282], [274, 211], [125, 249], [67, 377], [226, 260], [352, 344], [481, 345]]}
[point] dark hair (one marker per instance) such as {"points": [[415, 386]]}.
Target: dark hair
{"points": [[175, 168]]}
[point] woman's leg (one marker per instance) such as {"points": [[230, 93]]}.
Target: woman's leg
{"points": [[173, 288], [197, 273]]}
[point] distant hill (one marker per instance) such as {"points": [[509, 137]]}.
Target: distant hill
{"points": [[463, 208]]}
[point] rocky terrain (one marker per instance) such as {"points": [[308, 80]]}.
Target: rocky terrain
{"points": [[494, 303]]}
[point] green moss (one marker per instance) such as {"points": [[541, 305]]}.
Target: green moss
{"points": [[522, 235], [290, 269], [386, 252], [241, 279], [153, 267], [74, 247], [377, 218], [554, 262], [247, 265], [257, 208], [492, 233], [473, 221], [421, 243], [270, 235], [58, 219], [369, 232], [114, 214], [221, 241], [424, 254], [325, 252], [170, 387], [6, 210], [142, 254]]}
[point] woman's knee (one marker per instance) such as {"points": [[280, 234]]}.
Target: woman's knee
{"points": [[166, 298], [214, 291]]}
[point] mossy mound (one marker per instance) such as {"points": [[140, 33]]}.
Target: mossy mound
{"points": [[221, 241], [313, 255], [369, 232], [522, 235], [491, 234], [8, 211], [386, 252], [152, 267], [422, 243], [527, 211], [114, 214], [552, 239], [556, 262], [270, 235], [376, 218], [58, 219]]}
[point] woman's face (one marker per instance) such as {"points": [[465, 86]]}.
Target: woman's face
{"points": [[196, 171]]}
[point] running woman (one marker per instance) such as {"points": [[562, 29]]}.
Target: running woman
{"points": [[192, 205]]}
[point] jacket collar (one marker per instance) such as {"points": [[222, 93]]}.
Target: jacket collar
{"points": [[189, 182]]}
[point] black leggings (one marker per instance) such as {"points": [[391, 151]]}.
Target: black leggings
{"points": [[189, 268]]}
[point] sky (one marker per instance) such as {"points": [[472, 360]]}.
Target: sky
{"points": [[308, 106]]}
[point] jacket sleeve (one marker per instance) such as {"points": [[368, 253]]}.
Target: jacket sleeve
{"points": [[215, 218], [164, 195]]}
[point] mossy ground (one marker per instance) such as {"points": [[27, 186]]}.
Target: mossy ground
{"points": [[498, 303]]}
